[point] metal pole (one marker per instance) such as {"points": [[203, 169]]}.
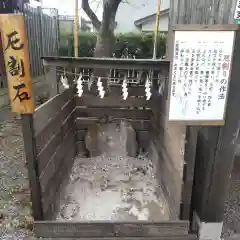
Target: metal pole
{"points": [[76, 26], [156, 30]]}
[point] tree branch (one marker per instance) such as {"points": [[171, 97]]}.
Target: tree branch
{"points": [[93, 17]]}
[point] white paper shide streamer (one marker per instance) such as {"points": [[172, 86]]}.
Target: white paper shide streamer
{"points": [[64, 81], [100, 88], [148, 89], [124, 89], [80, 86]]}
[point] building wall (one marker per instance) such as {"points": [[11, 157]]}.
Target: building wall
{"points": [[150, 25], [128, 13], [66, 26]]}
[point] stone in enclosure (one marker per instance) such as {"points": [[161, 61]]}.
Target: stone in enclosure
{"points": [[111, 139]]}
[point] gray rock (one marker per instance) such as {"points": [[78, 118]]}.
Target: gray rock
{"points": [[111, 139]]}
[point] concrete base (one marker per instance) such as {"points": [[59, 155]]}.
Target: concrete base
{"points": [[207, 231], [210, 231]]}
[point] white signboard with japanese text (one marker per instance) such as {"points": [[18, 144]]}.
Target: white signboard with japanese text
{"points": [[237, 11], [200, 75]]}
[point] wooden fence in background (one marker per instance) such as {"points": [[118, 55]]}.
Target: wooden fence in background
{"points": [[202, 11], [42, 30]]}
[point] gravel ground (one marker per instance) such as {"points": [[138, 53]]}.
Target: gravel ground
{"points": [[15, 206], [232, 205]]}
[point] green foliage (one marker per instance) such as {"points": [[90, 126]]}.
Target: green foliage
{"points": [[132, 45]]}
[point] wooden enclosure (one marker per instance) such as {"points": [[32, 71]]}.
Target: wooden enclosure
{"points": [[54, 135]]}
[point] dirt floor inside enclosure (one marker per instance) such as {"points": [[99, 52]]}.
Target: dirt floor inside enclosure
{"points": [[113, 188]]}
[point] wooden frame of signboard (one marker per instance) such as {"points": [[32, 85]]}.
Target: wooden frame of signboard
{"points": [[197, 28], [214, 147]]}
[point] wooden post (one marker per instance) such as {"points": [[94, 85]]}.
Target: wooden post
{"points": [[226, 145], [31, 158], [156, 30], [76, 25], [214, 166]]}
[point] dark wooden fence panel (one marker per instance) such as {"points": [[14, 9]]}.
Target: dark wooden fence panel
{"points": [[116, 90], [57, 174], [169, 163], [49, 111], [64, 124], [205, 155], [111, 230], [55, 146], [112, 101], [168, 140], [140, 114]]}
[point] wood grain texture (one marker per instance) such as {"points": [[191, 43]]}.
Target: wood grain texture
{"points": [[106, 63], [50, 148], [136, 114], [109, 229], [52, 209], [51, 109], [64, 172], [18, 73], [55, 125], [54, 174], [226, 145], [90, 100], [32, 164], [188, 172], [171, 181], [51, 168], [205, 155], [205, 27], [203, 12], [116, 90]]}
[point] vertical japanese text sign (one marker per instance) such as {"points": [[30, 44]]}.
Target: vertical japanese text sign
{"points": [[201, 72], [16, 57]]}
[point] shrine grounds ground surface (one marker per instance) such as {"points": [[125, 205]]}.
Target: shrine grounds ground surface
{"points": [[15, 205]]}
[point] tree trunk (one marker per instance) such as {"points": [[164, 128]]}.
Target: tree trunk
{"points": [[105, 39], [105, 44], [104, 48]]}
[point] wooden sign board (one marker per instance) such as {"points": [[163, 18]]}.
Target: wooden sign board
{"points": [[15, 47], [200, 74]]}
